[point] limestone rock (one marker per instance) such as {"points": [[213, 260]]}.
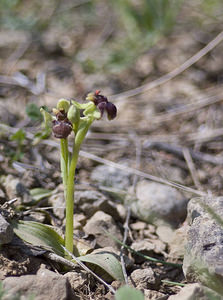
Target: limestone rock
{"points": [[177, 245], [154, 295], [6, 231], [159, 204], [195, 292], [58, 203], [144, 279], [89, 202], [45, 285], [98, 224], [203, 258], [110, 176]]}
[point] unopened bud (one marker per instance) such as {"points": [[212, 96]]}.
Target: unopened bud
{"points": [[74, 115]]}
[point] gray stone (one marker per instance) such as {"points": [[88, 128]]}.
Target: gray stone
{"points": [[98, 225], [177, 246], [111, 177], [159, 204], [165, 233], [6, 231], [77, 279], [15, 189], [203, 258], [58, 203], [144, 279], [154, 295], [89, 202], [148, 247], [45, 285], [195, 292]]}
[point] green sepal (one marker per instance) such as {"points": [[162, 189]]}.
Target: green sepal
{"points": [[74, 116], [63, 104]]}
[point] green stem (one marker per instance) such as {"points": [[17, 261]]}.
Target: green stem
{"points": [[70, 187], [64, 165], [70, 200]]}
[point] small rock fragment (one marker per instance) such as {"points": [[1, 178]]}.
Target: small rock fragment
{"points": [[177, 246], [6, 231], [98, 225], [45, 285], [58, 203], [138, 225], [148, 247], [165, 233], [155, 295], [110, 176], [15, 189], [77, 279], [89, 202], [195, 291], [144, 279]]}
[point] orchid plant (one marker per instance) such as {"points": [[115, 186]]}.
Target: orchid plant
{"points": [[68, 117]]}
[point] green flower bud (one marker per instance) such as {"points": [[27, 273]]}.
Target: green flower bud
{"points": [[63, 104], [74, 116]]}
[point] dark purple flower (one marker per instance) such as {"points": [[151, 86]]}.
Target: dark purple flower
{"points": [[62, 127], [103, 104], [111, 110]]}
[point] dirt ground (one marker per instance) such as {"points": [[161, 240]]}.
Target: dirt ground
{"points": [[169, 126]]}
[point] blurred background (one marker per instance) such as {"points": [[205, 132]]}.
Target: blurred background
{"points": [[53, 49]]}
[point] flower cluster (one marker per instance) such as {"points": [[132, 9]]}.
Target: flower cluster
{"points": [[103, 104], [74, 116]]}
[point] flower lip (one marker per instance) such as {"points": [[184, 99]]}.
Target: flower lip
{"points": [[103, 104], [111, 110], [62, 127]]}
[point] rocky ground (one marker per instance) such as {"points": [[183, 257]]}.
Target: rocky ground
{"points": [[151, 178]]}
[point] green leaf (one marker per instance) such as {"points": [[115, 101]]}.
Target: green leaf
{"points": [[19, 136], [33, 112], [40, 235], [128, 293], [107, 263], [40, 193]]}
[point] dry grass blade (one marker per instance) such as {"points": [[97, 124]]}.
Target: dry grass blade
{"points": [[188, 108], [141, 174], [167, 77]]}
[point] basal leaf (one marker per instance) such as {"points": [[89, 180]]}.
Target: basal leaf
{"points": [[107, 262], [40, 193], [128, 293], [40, 235]]}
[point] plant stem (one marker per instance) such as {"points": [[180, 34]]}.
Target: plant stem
{"points": [[70, 200], [64, 165], [70, 186]]}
